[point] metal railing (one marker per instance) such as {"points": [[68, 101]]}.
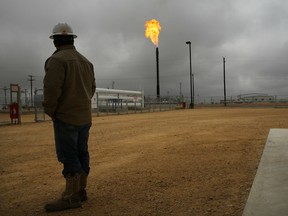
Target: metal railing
{"points": [[150, 104]]}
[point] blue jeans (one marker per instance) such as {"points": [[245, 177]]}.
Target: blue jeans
{"points": [[71, 143]]}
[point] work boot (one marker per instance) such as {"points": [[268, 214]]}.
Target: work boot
{"points": [[83, 184], [70, 197]]}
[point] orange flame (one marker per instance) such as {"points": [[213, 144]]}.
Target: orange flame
{"points": [[152, 31]]}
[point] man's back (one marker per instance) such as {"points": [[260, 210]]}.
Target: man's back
{"points": [[69, 85]]}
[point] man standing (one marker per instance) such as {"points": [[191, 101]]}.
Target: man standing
{"points": [[69, 85]]}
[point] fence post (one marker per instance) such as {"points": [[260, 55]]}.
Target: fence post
{"points": [[97, 103]]}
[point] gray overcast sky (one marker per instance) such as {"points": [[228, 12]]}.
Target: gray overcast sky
{"points": [[251, 34]]}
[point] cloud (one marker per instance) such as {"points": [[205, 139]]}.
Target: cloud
{"points": [[251, 35]]}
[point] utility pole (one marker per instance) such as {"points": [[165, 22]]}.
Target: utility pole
{"points": [[25, 91], [191, 78], [181, 95], [31, 79], [5, 90], [224, 78]]}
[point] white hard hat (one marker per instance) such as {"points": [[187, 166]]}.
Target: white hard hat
{"points": [[62, 29]]}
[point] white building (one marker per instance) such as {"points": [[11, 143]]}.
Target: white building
{"points": [[117, 98], [255, 98]]}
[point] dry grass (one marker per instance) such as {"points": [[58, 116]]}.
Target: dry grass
{"points": [[185, 162]]}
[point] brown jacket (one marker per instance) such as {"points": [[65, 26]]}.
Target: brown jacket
{"points": [[69, 85]]}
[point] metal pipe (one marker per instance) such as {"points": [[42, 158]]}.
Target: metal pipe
{"points": [[116, 91], [157, 70]]}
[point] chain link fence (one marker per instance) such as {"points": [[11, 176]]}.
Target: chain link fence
{"points": [[150, 103], [117, 106]]}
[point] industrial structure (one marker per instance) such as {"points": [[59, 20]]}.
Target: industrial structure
{"points": [[115, 99], [255, 98]]}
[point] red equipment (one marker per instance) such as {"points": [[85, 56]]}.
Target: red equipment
{"points": [[14, 111]]}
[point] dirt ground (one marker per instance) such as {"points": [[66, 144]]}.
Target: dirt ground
{"points": [[183, 162]]}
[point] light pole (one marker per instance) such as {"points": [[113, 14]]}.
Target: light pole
{"points": [[224, 78], [191, 78]]}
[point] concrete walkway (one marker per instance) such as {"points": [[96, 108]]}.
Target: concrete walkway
{"points": [[269, 192]]}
